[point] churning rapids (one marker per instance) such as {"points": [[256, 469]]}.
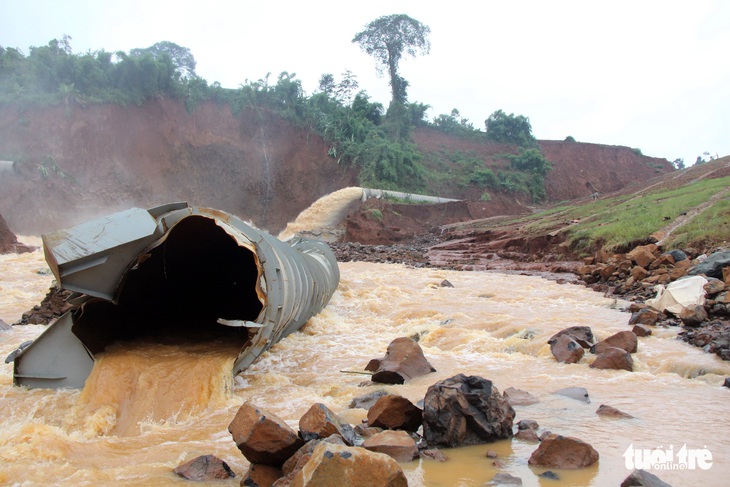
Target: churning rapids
{"points": [[146, 410]]}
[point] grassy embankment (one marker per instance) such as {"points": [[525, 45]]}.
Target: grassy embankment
{"points": [[618, 223]]}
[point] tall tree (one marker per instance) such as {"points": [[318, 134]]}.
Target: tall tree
{"points": [[388, 39], [182, 57]]}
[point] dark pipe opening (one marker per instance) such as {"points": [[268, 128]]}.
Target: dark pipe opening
{"points": [[196, 276]]}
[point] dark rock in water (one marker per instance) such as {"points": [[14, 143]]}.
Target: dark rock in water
{"points": [[528, 424], [518, 397], [641, 330], [527, 435], [614, 358], [579, 393], [263, 437], [727, 382], [647, 316], [625, 340], [505, 479], [465, 410], [581, 334], [404, 360], [204, 468], [366, 401], [434, 454], [712, 266], [320, 422], [396, 413], [565, 349], [558, 451], [446, 283], [677, 255], [642, 478], [611, 412], [549, 474]]}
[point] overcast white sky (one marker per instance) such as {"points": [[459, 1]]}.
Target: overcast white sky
{"points": [[650, 74]]}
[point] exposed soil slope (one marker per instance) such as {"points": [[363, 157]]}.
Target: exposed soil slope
{"points": [[579, 169], [73, 163]]}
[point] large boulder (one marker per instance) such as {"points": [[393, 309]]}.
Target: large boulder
{"points": [[643, 255], [342, 466], [646, 316], [395, 412], [320, 422], [465, 410], [558, 451], [403, 360], [693, 315], [566, 350], [614, 358], [396, 444], [713, 265], [625, 340], [263, 437], [581, 334], [297, 461]]}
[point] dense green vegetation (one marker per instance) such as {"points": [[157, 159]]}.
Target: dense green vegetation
{"points": [[359, 131]]}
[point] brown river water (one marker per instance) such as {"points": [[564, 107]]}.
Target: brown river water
{"points": [[149, 408]]}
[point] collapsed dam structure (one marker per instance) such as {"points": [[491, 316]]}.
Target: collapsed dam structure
{"points": [[171, 274]]}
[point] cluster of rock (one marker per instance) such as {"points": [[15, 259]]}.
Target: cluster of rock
{"points": [[326, 449], [53, 306], [457, 411], [412, 254], [569, 345], [636, 275]]}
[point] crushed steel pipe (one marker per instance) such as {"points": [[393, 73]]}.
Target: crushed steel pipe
{"points": [[173, 273]]}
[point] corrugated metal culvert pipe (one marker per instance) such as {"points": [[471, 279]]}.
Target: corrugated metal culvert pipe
{"points": [[172, 274]]}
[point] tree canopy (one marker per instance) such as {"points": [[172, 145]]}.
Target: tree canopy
{"points": [[182, 57], [510, 129], [388, 39]]}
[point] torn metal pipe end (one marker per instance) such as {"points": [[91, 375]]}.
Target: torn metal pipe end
{"points": [[171, 273]]}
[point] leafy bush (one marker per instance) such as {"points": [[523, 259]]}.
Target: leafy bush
{"points": [[530, 160]]}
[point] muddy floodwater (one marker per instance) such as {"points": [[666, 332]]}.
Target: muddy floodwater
{"points": [[147, 408]]}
